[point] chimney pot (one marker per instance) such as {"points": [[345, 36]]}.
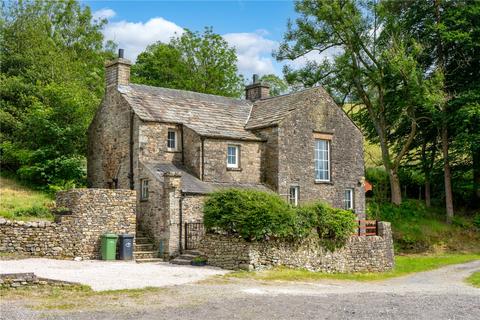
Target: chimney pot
{"points": [[120, 53], [255, 78]]}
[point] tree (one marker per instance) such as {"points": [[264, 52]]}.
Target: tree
{"points": [[373, 68], [51, 84], [196, 62], [449, 32], [277, 85]]}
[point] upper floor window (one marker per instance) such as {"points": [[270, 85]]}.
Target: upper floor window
{"points": [[348, 199], [294, 195], [144, 189], [233, 156], [322, 160], [172, 139]]}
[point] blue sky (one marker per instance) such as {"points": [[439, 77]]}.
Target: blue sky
{"points": [[254, 28]]}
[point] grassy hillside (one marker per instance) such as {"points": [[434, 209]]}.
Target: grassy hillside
{"points": [[22, 203], [417, 229]]}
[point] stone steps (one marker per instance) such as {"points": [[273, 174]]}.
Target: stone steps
{"points": [[144, 249], [186, 258], [146, 260]]}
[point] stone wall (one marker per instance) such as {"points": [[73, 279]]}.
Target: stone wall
{"points": [[109, 144], [93, 212], [360, 254], [296, 145], [19, 280], [153, 143], [192, 152], [215, 161]]}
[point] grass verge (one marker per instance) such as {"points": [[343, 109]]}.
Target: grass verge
{"points": [[16, 198], [474, 279], [404, 265], [76, 297]]}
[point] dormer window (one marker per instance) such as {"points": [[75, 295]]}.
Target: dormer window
{"points": [[172, 143]]}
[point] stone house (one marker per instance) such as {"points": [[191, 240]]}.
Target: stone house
{"points": [[175, 146]]}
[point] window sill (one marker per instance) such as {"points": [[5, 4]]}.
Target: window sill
{"points": [[173, 151], [323, 182], [143, 200], [234, 169]]}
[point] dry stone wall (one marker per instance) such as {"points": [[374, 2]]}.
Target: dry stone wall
{"points": [[19, 280], [360, 254], [92, 212]]}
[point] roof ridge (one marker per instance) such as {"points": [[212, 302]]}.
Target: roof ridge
{"points": [[292, 93], [215, 96]]}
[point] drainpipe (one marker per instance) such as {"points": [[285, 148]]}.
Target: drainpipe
{"points": [[130, 174], [203, 157], [180, 220], [183, 154]]}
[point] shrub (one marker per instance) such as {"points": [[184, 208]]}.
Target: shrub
{"points": [[476, 221], [253, 215], [256, 215], [334, 226]]}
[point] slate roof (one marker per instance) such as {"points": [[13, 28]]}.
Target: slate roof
{"points": [[191, 184], [216, 116], [207, 114], [271, 111]]}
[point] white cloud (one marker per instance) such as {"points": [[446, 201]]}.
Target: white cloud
{"points": [[254, 52], [134, 37], [104, 13]]}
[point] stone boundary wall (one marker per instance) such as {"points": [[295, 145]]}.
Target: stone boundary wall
{"points": [[360, 254], [17, 280], [92, 212]]}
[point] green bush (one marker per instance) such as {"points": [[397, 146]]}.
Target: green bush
{"points": [[476, 221], [256, 215], [334, 226], [253, 215]]}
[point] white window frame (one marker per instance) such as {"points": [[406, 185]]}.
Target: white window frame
{"points": [[295, 196], [316, 159], [144, 192], [348, 202], [236, 164], [175, 140]]}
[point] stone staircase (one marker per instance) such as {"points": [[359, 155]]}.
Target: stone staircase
{"points": [[144, 249], [186, 257]]}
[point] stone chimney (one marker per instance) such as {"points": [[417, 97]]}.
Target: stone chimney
{"points": [[117, 72], [257, 90]]}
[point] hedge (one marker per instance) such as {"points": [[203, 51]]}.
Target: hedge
{"points": [[256, 216]]}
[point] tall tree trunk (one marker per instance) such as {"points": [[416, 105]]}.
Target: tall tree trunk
{"points": [[428, 201], [395, 188], [447, 174], [444, 134]]}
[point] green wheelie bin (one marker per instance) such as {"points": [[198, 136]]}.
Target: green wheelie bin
{"points": [[109, 246]]}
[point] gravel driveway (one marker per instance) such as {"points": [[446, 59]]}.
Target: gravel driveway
{"points": [[110, 275], [438, 294]]}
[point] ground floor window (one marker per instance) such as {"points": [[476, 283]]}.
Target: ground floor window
{"points": [[293, 195], [144, 189], [348, 199], [233, 153]]}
